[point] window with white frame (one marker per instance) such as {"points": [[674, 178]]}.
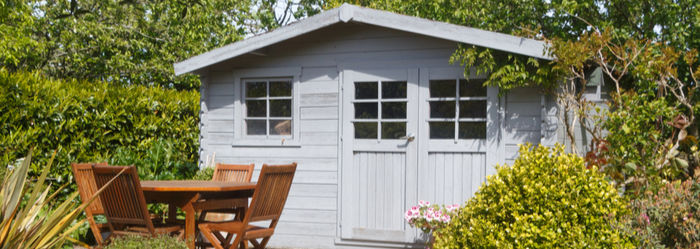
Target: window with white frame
{"points": [[380, 109], [457, 109], [268, 107]]}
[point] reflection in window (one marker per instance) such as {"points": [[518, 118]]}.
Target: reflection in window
{"points": [[380, 109], [457, 109], [268, 107]]}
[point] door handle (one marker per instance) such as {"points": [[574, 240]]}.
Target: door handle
{"points": [[409, 137]]}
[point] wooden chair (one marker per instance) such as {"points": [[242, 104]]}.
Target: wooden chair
{"points": [[227, 173], [84, 178], [124, 203], [266, 205]]}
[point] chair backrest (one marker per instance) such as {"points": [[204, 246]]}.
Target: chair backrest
{"points": [[233, 172], [123, 200], [82, 172], [271, 192]]}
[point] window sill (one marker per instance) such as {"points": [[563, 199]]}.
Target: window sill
{"points": [[266, 143]]}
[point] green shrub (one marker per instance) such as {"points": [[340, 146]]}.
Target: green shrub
{"points": [[204, 174], [96, 121], [138, 242], [30, 218], [669, 218], [547, 199]]}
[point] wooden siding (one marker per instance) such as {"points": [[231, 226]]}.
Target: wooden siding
{"points": [[311, 216], [523, 119]]}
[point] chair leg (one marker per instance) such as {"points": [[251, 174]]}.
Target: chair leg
{"points": [[255, 243], [210, 237], [263, 243], [239, 238]]}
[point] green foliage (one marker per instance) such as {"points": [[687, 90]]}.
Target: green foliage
{"points": [[669, 218], [156, 160], [636, 139], [138, 242], [128, 42], [204, 174], [547, 199], [151, 127], [677, 22], [30, 219]]}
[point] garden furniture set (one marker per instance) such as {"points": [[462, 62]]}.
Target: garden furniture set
{"points": [[124, 198]]}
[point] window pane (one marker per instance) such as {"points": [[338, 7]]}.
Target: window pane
{"points": [[280, 88], [443, 88], [472, 88], [255, 127], [393, 130], [281, 108], [442, 109], [472, 109], [255, 89], [472, 130], [366, 90], [442, 130], [394, 110], [255, 108], [366, 110], [280, 127], [394, 90], [366, 130]]}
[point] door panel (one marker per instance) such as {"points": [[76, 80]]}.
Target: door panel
{"points": [[380, 111], [451, 177], [456, 129]]}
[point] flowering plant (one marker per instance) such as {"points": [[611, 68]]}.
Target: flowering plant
{"points": [[430, 217]]}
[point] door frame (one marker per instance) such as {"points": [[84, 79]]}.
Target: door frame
{"points": [[347, 148], [494, 146]]}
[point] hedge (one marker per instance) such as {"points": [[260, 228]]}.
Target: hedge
{"points": [[95, 121]]}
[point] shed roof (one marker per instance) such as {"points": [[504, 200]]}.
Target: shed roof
{"points": [[351, 13]]}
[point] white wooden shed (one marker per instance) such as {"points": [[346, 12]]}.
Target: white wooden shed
{"points": [[377, 118]]}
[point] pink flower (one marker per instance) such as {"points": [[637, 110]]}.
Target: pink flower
{"points": [[645, 217]]}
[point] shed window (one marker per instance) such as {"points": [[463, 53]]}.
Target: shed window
{"points": [[457, 109], [380, 109], [268, 107]]}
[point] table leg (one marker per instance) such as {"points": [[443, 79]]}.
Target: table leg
{"points": [[190, 222], [172, 213]]}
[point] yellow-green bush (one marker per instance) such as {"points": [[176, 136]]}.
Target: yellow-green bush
{"points": [[547, 199], [97, 121]]}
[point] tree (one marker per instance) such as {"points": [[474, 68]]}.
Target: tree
{"points": [[125, 42]]}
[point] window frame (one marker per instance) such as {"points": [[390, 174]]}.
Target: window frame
{"points": [[493, 114], [379, 100], [241, 77], [457, 98]]}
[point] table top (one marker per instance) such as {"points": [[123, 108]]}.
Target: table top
{"points": [[194, 186]]}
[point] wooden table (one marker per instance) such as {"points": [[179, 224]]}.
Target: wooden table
{"points": [[184, 194]]}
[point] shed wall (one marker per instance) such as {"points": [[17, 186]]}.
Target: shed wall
{"points": [[311, 213]]}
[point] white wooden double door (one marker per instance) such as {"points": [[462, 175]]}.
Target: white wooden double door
{"points": [[404, 139]]}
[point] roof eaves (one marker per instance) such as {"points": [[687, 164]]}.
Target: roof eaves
{"points": [[232, 50], [452, 32], [347, 13]]}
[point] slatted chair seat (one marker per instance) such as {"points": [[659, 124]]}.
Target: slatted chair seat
{"points": [[125, 205], [266, 205]]}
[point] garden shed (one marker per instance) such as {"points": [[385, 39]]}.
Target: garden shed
{"points": [[368, 105]]}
